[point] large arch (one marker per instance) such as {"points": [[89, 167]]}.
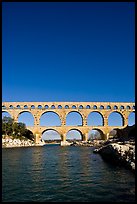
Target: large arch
{"points": [[96, 133], [95, 118], [74, 118], [51, 135], [26, 117], [115, 118], [50, 118], [131, 118], [74, 134]]}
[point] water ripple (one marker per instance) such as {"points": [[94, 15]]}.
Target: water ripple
{"points": [[58, 174]]}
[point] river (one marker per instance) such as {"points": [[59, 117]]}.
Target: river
{"points": [[57, 174]]}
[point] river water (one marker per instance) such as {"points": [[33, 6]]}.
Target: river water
{"points": [[57, 174]]}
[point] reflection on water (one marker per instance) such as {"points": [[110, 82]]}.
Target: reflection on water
{"points": [[55, 173]]}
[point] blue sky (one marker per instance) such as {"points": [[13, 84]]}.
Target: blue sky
{"points": [[68, 51]]}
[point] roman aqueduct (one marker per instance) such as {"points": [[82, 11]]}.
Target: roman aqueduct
{"points": [[62, 109]]}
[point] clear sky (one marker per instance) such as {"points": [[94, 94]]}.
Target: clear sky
{"points": [[83, 51], [68, 51]]}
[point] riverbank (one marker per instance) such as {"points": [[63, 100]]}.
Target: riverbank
{"points": [[119, 153], [94, 143], [10, 142]]}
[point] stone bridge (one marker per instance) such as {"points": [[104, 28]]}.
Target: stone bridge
{"points": [[62, 109]]}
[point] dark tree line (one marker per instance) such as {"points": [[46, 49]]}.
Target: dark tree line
{"points": [[14, 129]]}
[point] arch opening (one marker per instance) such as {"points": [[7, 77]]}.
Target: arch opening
{"points": [[108, 107], [115, 133], [115, 107], [51, 136], [121, 107], [115, 119], [50, 118], [26, 117], [94, 107], [96, 134], [101, 107], [95, 119], [52, 107], [73, 107], [74, 135], [74, 118]]}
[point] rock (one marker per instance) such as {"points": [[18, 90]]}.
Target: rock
{"points": [[118, 153]]}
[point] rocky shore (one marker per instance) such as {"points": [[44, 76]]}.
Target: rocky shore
{"points": [[120, 153], [95, 143], [10, 142], [120, 149]]}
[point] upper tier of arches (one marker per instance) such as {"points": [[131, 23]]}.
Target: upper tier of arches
{"points": [[65, 105]]}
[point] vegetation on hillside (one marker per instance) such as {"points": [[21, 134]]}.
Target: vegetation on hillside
{"points": [[14, 129]]}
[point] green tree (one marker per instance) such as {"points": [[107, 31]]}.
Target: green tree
{"points": [[7, 123], [17, 130]]}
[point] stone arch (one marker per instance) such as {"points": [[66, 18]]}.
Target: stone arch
{"points": [[3, 107], [39, 106], [73, 107], [111, 121], [18, 106], [94, 107], [32, 107], [80, 107], [108, 107], [59, 107], [11, 107], [88, 107], [97, 113], [56, 121], [70, 114], [131, 118], [51, 132], [101, 107], [25, 107], [80, 137], [128, 107], [28, 122], [46, 106], [66, 107], [121, 107], [102, 135], [52, 107], [115, 107]]}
